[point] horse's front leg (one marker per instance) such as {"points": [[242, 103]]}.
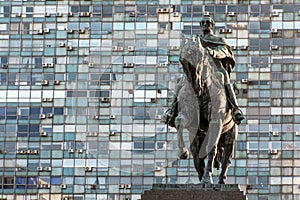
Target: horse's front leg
{"points": [[207, 177], [230, 139], [183, 152], [196, 140]]}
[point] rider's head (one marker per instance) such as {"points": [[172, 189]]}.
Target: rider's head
{"points": [[207, 24]]}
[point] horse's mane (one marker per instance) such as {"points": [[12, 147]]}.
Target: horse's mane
{"points": [[198, 66]]}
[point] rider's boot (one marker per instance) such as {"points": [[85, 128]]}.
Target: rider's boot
{"points": [[237, 112]]}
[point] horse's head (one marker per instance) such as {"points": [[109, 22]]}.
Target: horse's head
{"points": [[192, 58]]}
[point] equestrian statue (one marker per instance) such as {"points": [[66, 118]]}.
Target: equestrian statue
{"points": [[205, 104]]}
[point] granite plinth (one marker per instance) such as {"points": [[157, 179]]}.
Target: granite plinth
{"points": [[193, 192]]}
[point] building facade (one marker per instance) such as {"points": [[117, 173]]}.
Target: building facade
{"points": [[83, 85]]}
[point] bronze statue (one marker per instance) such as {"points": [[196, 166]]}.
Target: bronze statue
{"points": [[201, 105], [223, 58]]}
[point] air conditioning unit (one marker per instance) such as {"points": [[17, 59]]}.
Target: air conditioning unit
{"points": [[244, 47], [274, 30], [222, 30], [128, 186], [166, 10], [39, 169], [233, 47], [71, 150], [18, 14], [81, 31], [63, 186], [157, 169], [46, 30], [47, 14], [96, 117], [132, 14], [176, 14], [158, 117], [69, 48], [84, 14], [45, 82], [114, 48], [231, 14], [40, 32], [50, 65], [44, 65], [297, 133], [273, 151], [59, 14], [44, 99], [56, 82], [92, 134], [161, 31], [244, 80], [50, 115], [80, 150], [93, 187], [48, 169], [18, 151], [275, 133], [61, 44], [128, 65], [275, 13], [70, 31], [121, 186], [112, 117], [112, 133], [131, 48], [229, 30], [274, 47], [206, 13], [42, 116], [91, 65], [88, 169], [70, 14], [104, 100], [47, 186], [163, 64], [162, 10], [49, 99], [35, 151], [176, 48], [43, 134], [120, 49]]}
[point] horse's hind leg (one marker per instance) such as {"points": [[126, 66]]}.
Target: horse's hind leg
{"points": [[195, 145], [230, 138]]}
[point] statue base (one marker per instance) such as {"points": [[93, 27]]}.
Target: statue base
{"points": [[193, 192]]}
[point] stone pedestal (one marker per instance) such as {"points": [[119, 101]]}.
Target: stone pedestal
{"points": [[193, 192]]}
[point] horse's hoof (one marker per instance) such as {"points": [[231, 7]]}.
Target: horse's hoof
{"points": [[207, 179], [222, 180], [184, 154]]}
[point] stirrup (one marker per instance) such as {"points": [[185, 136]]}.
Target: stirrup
{"points": [[237, 115]]}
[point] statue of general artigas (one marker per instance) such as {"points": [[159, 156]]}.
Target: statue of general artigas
{"points": [[205, 103]]}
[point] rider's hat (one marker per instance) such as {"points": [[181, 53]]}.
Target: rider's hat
{"points": [[207, 19]]}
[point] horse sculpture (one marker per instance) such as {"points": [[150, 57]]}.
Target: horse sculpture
{"points": [[202, 109]]}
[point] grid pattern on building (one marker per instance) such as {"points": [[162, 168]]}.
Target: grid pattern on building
{"points": [[83, 85]]}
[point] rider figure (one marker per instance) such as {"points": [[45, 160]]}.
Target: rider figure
{"points": [[223, 58]]}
